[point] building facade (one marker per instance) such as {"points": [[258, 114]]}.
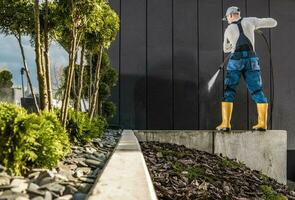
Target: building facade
{"points": [[167, 50]]}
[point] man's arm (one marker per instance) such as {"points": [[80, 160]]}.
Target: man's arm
{"points": [[227, 46], [263, 22]]}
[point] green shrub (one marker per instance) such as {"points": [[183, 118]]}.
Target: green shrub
{"points": [[52, 141], [10, 141], [109, 109], [109, 78], [81, 130], [30, 140]]}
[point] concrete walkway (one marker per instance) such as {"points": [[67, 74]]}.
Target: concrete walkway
{"points": [[126, 176]]}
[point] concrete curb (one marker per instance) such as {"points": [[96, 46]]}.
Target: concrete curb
{"points": [[126, 175]]}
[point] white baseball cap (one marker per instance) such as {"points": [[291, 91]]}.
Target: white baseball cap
{"points": [[231, 10]]}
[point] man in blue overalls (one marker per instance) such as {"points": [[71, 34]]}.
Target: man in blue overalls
{"points": [[239, 41]]}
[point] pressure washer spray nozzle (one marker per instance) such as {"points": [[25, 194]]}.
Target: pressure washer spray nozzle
{"points": [[214, 77]]}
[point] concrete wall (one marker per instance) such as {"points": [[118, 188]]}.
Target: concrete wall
{"points": [[263, 151], [201, 140], [266, 152]]}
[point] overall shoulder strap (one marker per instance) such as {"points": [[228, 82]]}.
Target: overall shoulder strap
{"points": [[239, 25], [243, 43]]}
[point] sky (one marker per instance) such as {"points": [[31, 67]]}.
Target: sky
{"points": [[10, 59]]}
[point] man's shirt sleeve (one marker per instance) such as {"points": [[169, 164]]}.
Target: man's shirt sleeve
{"points": [[263, 22], [227, 46]]}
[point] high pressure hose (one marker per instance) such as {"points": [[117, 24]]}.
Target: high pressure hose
{"points": [[271, 79]]}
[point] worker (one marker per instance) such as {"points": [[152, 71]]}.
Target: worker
{"points": [[239, 41]]}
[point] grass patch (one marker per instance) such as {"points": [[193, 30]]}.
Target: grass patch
{"points": [[193, 172], [227, 163], [173, 153], [196, 172], [178, 167], [270, 194]]}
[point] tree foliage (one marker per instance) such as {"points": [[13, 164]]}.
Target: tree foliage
{"points": [[16, 16], [40, 140], [5, 79], [85, 22], [91, 24], [102, 38]]}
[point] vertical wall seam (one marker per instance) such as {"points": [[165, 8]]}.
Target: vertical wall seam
{"points": [[270, 71], [248, 102], [198, 66], [120, 74], [146, 64], [222, 53], [172, 71]]}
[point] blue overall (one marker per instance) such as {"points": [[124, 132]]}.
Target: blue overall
{"points": [[243, 62]]}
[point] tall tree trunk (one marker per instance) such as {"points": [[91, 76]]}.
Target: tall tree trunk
{"points": [[19, 39], [40, 71], [73, 92], [46, 55], [80, 81], [90, 81], [69, 80], [96, 86]]}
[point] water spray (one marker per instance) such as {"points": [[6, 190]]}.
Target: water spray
{"points": [[214, 77]]}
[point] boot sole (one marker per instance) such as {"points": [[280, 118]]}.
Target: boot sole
{"points": [[224, 130], [259, 129]]}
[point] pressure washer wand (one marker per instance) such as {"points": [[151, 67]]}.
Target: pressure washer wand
{"points": [[214, 77]]}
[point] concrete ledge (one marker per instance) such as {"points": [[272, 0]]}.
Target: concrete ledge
{"points": [[200, 140], [262, 151], [126, 175]]}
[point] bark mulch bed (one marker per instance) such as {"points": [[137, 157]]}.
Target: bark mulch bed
{"points": [[181, 173]]}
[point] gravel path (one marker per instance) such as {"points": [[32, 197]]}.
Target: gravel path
{"points": [[71, 179]]}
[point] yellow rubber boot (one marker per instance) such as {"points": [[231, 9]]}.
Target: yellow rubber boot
{"points": [[262, 117], [226, 111]]}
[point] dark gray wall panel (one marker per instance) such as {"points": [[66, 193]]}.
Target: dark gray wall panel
{"points": [[240, 111], [210, 57], [133, 62], [185, 64], [283, 42], [159, 64], [169, 50], [114, 54], [291, 165], [260, 9]]}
